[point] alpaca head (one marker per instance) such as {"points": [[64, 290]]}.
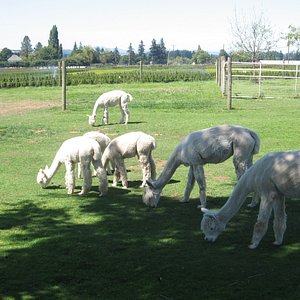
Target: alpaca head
{"points": [[151, 194], [92, 120], [42, 178], [211, 225]]}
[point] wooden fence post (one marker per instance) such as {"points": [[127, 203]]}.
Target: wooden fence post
{"points": [[141, 70], [63, 85], [223, 75], [229, 82]]}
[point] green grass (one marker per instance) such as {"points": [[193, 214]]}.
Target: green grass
{"points": [[55, 246]]}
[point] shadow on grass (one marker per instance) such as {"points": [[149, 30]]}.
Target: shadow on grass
{"points": [[117, 123], [115, 247]]}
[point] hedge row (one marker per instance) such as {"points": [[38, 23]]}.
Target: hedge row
{"points": [[76, 78]]}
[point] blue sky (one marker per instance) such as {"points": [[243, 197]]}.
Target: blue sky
{"points": [[117, 23]]}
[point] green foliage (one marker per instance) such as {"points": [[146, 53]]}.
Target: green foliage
{"points": [[17, 78]]}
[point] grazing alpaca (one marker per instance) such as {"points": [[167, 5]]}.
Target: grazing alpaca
{"points": [[78, 149], [108, 99], [272, 177], [130, 145], [211, 145], [103, 140]]}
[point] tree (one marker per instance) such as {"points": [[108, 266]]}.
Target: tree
{"points": [[53, 43], [5, 54], [201, 56], [141, 51], [162, 52], [293, 38], [38, 46], [253, 35], [154, 52], [131, 54], [117, 55], [26, 47]]}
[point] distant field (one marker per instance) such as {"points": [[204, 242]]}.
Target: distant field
{"points": [[56, 246]]}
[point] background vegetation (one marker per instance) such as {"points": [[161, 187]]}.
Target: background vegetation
{"points": [[55, 246]]}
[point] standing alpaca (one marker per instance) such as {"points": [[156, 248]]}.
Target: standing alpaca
{"points": [[108, 99], [103, 140], [130, 145], [78, 149], [273, 177], [211, 145]]}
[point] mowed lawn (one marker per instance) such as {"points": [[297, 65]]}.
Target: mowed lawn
{"points": [[57, 246]]}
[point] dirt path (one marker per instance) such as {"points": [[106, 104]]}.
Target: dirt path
{"points": [[13, 108]]}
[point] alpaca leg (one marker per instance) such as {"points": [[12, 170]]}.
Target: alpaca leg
{"points": [[116, 177], [69, 177], [261, 226], [122, 114], [189, 186], [87, 178], [101, 174], [146, 168], [123, 173], [79, 171], [125, 112], [200, 178], [105, 116], [279, 223], [255, 200]]}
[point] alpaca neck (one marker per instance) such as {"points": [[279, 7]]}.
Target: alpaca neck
{"points": [[95, 109], [237, 198], [172, 164], [50, 172]]}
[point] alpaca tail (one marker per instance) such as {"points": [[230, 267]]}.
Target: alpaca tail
{"points": [[105, 159], [257, 142], [130, 97], [97, 153]]}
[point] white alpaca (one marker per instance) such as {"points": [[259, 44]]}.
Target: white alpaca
{"points": [[108, 99], [130, 145], [273, 177], [78, 149], [103, 140], [211, 145]]}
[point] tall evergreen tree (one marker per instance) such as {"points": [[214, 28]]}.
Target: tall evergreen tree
{"points": [[130, 54], [117, 55], [26, 47], [141, 51], [154, 52], [162, 52], [53, 42]]}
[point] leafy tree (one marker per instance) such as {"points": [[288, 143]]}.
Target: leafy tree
{"points": [[201, 56], [107, 57], [38, 46], [26, 48], [5, 54], [293, 38]]}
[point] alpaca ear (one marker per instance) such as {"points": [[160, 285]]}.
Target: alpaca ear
{"points": [[46, 168], [207, 212], [150, 183]]}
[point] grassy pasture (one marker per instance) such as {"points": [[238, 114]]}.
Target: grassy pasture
{"points": [[55, 246]]}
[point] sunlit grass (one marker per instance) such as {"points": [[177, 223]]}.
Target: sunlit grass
{"points": [[57, 246]]}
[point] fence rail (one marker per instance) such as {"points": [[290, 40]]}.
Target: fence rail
{"points": [[264, 79]]}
